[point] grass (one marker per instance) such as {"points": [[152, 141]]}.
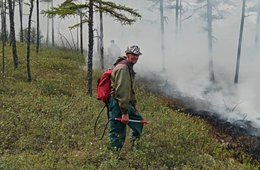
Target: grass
{"points": [[48, 123]]}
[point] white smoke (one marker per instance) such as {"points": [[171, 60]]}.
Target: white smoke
{"points": [[187, 60], [187, 55]]}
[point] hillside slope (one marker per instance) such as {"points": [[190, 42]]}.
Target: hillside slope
{"points": [[48, 123]]}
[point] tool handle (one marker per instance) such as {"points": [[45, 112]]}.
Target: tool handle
{"points": [[137, 121]]}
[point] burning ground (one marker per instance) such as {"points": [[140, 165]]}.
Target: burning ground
{"points": [[236, 132]]}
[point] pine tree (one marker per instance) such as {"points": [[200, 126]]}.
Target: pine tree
{"points": [[72, 7]]}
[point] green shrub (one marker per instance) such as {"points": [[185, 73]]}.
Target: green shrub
{"points": [[48, 124]]}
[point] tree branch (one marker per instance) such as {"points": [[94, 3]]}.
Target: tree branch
{"points": [[236, 106], [194, 10]]}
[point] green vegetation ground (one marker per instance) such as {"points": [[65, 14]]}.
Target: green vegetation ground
{"points": [[48, 123]]}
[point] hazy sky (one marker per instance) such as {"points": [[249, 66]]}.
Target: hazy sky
{"points": [[187, 53]]}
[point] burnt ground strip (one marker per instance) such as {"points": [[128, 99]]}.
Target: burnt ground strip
{"points": [[239, 135]]}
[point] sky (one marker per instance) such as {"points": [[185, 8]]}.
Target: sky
{"points": [[187, 55]]}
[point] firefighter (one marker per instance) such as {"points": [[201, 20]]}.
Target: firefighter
{"points": [[122, 103], [113, 52]]}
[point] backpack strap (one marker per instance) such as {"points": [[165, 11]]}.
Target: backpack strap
{"points": [[126, 63]]}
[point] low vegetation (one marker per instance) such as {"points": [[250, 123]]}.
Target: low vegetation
{"points": [[48, 123]]}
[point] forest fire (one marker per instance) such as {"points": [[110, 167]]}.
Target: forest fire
{"points": [[237, 133]]}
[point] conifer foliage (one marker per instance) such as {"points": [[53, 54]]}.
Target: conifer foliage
{"points": [[120, 13]]}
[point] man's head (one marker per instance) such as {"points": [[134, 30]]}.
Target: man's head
{"points": [[132, 54]]}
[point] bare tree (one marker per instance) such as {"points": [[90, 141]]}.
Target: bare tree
{"points": [[29, 43], [213, 13], [178, 13], [38, 27], [47, 29], [101, 39], [209, 28], [52, 26], [3, 35], [90, 47], [240, 41], [180, 8], [4, 22], [177, 17], [21, 19], [257, 24], [162, 36], [81, 32], [163, 20], [12, 32]]}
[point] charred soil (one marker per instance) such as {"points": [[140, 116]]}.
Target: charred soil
{"points": [[239, 135]]}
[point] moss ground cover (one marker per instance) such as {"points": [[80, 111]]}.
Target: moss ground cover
{"points": [[48, 123]]}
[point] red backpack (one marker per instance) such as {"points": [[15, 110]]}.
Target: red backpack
{"points": [[104, 84], [103, 93]]}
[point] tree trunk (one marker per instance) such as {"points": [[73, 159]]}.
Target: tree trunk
{"points": [[209, 23], [81, 34], [5, 26], [38, 27], [101, 40], [29, 41], [21, 19], [3, 38], [47, 30], [177, 17], [52, 27], [180, 8], [90, 47], [12, 33], [162, 36], [77, 47], [257, 24], [240, 41], [98, 36]]}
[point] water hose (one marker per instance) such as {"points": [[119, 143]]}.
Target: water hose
{"points": [[116, 119]]}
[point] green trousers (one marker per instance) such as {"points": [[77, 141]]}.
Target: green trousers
{"points": [[117, 132]]}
